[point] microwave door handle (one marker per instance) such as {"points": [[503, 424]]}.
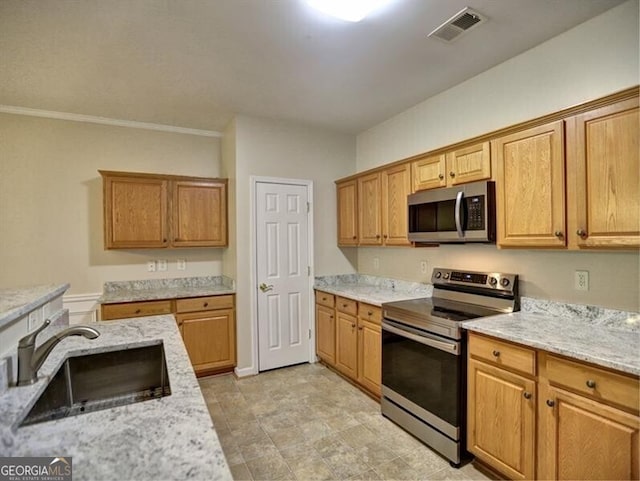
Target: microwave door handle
{"points": [[458, 214]]}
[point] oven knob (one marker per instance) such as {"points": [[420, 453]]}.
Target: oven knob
{"points": [[438, 274], [504, 282], [446, 275], [493, 281]]}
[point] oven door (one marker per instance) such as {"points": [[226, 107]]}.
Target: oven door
{"points": [[423, 373]]}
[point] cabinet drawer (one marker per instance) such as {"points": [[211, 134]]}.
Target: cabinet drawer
{"points": [[325, 299], [208, 303], [347, 306], [503, 354], [369, 313], [135, 309], [594, 382]]}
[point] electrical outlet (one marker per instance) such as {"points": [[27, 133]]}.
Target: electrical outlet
{"points": [[376, 263], [182, 265], [162, 264], [423, 267], [581, 281], [151, 266]]}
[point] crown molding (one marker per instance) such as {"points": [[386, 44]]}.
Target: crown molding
{"points": [[92, 119]]}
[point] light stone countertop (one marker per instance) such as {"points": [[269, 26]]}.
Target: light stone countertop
{"points": [[156, 289], [16, 302], [370, 289], [168, 438], [616, 347]]}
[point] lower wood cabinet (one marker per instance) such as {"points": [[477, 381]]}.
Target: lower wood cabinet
{"points": [[348, 338], [586, 417], [207, 326]]}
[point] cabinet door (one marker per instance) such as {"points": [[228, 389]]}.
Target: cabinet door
{"points": [[210, 339], [501, 415], [326, 334], [584, 439], [347, 213], [369, 215], [530, 187], [607, 171], [429, 173], [369, 355], [469, 164], [396, 185], [135, 212], [347, 344], [199, 214]]}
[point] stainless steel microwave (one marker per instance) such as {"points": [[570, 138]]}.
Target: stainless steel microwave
{"points": [[465, 213]]}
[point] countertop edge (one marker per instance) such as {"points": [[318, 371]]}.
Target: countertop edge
{"points": [[18, 312]]}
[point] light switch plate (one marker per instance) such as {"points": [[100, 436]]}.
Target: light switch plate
{"points": [[182, 265], [151, 266], [162, 264]]}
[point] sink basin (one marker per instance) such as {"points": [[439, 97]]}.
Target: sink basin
{"points": [[100, 381]]}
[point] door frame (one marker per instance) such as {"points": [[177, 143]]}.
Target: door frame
{"points": [[253, 275]]}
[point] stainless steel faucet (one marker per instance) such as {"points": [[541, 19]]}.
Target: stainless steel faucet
{"points": [[30, 359]]}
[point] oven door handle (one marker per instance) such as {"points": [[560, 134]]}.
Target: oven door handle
{"points": [[452, 348], [458, 213]]}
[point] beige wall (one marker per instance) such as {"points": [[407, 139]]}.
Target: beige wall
{"points": [[51, 200], [594, 59], [277, 149]]}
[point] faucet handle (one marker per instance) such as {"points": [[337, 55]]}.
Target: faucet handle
{"points": [[30, 339]]}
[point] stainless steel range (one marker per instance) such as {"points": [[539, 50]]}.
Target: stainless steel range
{"points": [[424, 354]]}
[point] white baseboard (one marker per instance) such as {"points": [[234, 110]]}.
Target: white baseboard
{"points": [[245, 371], [82, 307]]}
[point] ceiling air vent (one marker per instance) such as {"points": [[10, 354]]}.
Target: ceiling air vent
{"points": [[463, 21]]}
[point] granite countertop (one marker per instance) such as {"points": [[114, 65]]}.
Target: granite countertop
{"points": [[155, 289], [370, 289], [16, 302], [167, 438], [608, 344]]}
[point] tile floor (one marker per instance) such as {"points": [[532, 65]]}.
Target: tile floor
{"points": [[306, 423]]}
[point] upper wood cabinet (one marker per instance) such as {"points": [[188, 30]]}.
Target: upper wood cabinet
{"points": [[396, 186], [157, 211], [603, 157], [460, 166], [469, 164], [369, 209], [347, 213], [530, 192]]}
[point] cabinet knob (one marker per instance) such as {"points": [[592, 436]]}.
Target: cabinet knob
{"points": [[496, 353], [206, 304], [330, 317], [558, 234], [551, 403], [441, 177], [369, 313], [582, 233], [527, 395], [591, 384], [164, 241], [354, 237], [377, 236], [452, 174], [385, 236], [138, 311], [324, 298], [345, 305], [360, 328], [353, 325]]}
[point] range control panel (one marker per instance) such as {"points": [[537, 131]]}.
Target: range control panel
{"points": [[490, 280]]}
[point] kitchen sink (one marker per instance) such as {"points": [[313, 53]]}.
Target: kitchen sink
{"points": [[103, 380]]}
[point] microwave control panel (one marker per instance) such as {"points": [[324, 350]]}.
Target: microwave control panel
{"points": [[475, 212]]}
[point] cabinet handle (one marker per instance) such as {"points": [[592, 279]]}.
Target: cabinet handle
{"points": [[369, 313], [377, 236], [138, 311], [582, 233], [452, 174], [324, 298], [527, 395], [591, 384], [360, 328], [551, 403], [385, 236], [558, 234], [354, 237], [353, 325], [345, 305], [496, 353], [206, 304], [441, 177], [164, 241], [330, 317]]}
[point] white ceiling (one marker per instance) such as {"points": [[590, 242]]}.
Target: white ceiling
{"points": [[196, 63]]}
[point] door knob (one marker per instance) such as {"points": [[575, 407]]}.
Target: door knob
{"points": [[265, 287]]}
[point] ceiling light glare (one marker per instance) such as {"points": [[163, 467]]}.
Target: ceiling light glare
{"points": [[349, 10]]}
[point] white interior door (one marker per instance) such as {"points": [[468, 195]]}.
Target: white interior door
{"points": [[282, 274]]}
